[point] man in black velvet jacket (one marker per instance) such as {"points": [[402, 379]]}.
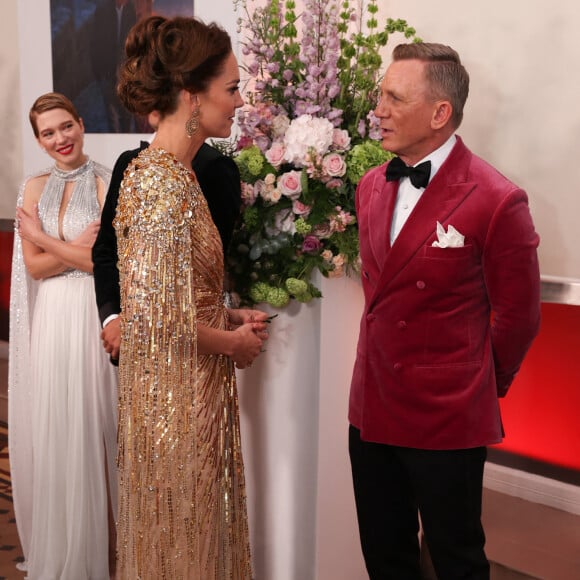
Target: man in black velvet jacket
{"points": [[219, 179]]}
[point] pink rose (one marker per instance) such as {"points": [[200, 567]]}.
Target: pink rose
{"points": [[259, 186], [338, 270], [267, 192], [334, 165], [275, 155], [311, 245], [333, 183], [338, 261], [341, 139], [290, 185], [300, 208], [322, 231], [341, 220], [271, 195], [326, 255], [248, 193]]}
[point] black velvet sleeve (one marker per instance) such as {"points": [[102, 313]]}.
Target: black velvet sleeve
{"points": [[105, 272], [219, 179]]}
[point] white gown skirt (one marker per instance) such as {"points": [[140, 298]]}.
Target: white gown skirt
{"points": [[74, 425]]}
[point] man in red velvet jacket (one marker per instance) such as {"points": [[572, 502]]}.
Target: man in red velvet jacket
{"points": [[451, 283]]}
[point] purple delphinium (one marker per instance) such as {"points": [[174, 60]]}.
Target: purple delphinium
{"points": [[319, 55]]}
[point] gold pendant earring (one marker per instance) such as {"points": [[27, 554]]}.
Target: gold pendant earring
{"points": [[192, 124]]}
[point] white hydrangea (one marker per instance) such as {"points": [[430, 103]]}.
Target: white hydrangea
{"points": [[307, 133]]}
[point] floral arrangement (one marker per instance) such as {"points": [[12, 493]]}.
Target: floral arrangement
{"points": [[307, 136]]}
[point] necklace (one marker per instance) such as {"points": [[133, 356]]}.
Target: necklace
{"points": [[73, 174]]}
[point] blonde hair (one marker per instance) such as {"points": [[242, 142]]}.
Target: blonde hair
{"points": [[48, 102]]}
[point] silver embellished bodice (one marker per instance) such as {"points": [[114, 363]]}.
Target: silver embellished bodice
{"points": [[82, 209]]}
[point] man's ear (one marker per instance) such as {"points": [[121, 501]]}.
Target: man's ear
{"points": [[441, 114]]}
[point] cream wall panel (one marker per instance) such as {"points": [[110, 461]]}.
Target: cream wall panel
{"points": [[10, 145]]}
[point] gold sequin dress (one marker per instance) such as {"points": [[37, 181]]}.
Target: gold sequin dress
{"points": [[182, 506]]}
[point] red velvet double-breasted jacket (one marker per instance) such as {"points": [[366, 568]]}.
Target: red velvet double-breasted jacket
{"points": [[444, 330]]}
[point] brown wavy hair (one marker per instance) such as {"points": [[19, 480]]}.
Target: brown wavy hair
{"points": [[446, 76], [48, 102], [164, 56]]}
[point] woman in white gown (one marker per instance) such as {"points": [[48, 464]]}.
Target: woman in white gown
{"points": [[62, 388]]}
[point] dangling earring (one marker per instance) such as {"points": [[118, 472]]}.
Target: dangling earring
{"points": [[192, 124]]}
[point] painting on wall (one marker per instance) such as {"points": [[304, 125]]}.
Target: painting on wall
{"points": [[87, 39]]}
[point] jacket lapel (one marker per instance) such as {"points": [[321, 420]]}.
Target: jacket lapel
{"points": [[381, 216], [443, 195]]}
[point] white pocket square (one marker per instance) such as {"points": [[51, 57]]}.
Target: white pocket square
{"points": [[448, 239]]}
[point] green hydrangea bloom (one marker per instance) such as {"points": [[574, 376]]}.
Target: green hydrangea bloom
{"points": [[259, 292], [250, 162], [363, 157], [251, 217], [302, 227], [277, 297], [296, 286], [255, 164]]}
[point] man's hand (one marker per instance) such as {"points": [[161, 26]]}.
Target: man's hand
{"points": [[111, 337]]}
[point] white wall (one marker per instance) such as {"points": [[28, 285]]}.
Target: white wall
{"points": [[10, 111]]}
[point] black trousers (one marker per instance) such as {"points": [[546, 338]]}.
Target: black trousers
{"points": [[392, 485]]}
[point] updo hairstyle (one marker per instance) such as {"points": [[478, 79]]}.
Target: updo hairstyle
{"points": [[164, 56]]}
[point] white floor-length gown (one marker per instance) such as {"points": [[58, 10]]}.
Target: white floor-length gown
{"points": [[62, 403]]}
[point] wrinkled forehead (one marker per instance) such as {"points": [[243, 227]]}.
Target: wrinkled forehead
{"points": [[412, 70], [405, 76]]}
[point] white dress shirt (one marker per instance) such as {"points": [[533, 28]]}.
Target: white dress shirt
{"points": [[408, 195]]}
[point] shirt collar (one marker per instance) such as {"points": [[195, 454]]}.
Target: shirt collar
{"points": [[439, 156]]}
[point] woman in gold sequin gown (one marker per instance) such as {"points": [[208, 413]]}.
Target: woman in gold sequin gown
{"points": [[182, 507]]}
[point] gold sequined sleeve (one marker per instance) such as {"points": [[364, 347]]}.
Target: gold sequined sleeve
{"points": [[158, 350]]}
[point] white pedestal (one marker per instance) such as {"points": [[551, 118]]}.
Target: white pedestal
{"points": [[279, 415], [293, 403], [338, 553]]}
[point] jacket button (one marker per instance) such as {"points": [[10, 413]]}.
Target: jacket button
{"points": [[421, 285], [401, 324], [397, 366], [366, 274], [370, 317]]}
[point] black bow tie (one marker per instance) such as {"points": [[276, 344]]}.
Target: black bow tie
{"points": [[419, 175]]}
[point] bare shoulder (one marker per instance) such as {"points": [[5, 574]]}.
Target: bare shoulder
{"points": [[33, 189], [102, 186]]}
